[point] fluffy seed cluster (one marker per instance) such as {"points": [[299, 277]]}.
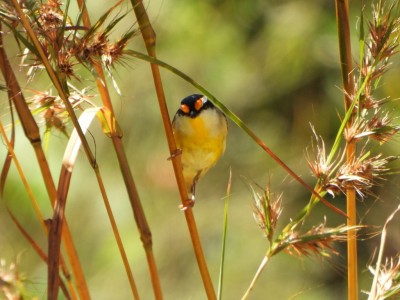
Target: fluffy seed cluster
{"points": [[53, 110], [388, 280], [10, 281], [318, 241], [267, 207], [370, 120], [68, 46]]}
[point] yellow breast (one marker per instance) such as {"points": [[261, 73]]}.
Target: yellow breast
{"points": [[202, 141]]}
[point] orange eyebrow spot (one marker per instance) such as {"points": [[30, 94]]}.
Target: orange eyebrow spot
{"points": [[198, 104], [185, 108]]}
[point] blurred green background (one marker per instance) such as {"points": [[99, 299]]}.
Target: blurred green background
{"points": [[275, 64]]}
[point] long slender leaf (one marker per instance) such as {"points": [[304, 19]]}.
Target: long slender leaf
{"points": [[224, 235], [237, 121]]}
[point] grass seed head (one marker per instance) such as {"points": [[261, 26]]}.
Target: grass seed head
{"points": [[361, 174], [388, 279], [267, 208], [318, 241], [10, 281]]}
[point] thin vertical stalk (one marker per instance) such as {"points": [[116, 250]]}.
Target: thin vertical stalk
{"points": [[224, 235], [117, 236], [32, 133], [138, 212], [342, 15], [149, 38]]}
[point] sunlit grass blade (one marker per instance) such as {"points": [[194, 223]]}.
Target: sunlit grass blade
{"points": [[110, 125], [100, 22], [224, 235], [234, 118], [69, 161], [32, 133], [58, 219]]}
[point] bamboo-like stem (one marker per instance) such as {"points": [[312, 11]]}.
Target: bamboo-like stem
{"points": [[35, 207], [352, 274], [149, 38], [81, 282], [32, 133], [342, 15], [55, 234], [138, 212]]}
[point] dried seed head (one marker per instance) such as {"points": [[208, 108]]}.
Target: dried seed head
{"points": [[381, 43], [360, 173], [10, 281], [114, 53], [356, 130], [66, 65], [388, 279], [320, 167], [9, 13], [51, 19], [52, 108], [381, 128], [267, 208], [317, 241], [382, 29]]}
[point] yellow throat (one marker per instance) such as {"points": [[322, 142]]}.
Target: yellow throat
{"points": [[202, 140]]}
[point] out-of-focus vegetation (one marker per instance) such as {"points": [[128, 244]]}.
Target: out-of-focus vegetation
{"points": [[276, 65]]}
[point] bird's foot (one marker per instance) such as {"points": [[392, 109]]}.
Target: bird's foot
{"points": [[188, 204]]}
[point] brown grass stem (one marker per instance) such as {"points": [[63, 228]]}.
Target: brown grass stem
{"points": [[138, 212], [32, 133], [69, 161], [57, 80], [141, 222], [342, 16], [352, 269], [54, 257], [55, 233], [117, 236], [239, 123], [35, 207], [149, 38]]}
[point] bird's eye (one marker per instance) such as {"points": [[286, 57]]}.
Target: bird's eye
{"points": [[198, 104], [185, 108]]}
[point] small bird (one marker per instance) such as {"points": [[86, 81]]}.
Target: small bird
{"points": [[200, 131]]}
